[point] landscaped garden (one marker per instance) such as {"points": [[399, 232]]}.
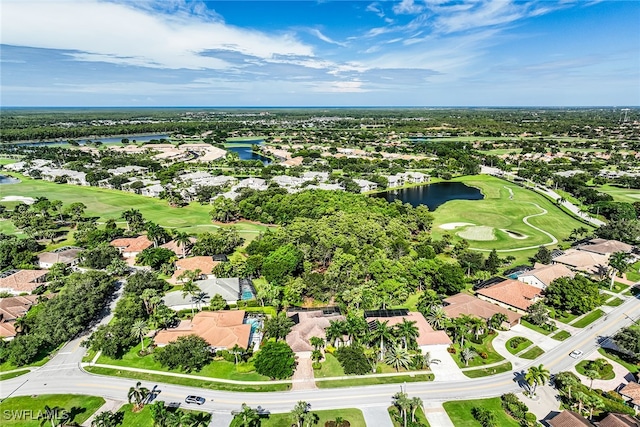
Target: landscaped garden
{"points": [[532, 353], [352, 416], [397, 419], [621, 358], [34, 411], [561, 335], [145, 418], [517, 344], [461, 412], [599, 369], [482, 353]]}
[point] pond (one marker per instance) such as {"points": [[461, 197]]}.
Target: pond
{"points": [[8, 180], [243, 148], [433, 195]]}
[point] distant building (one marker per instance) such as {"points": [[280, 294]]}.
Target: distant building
{"points": [[11, 309], [459, 304], [130, 247], [542, 275], [67, 255], [18, 282]]}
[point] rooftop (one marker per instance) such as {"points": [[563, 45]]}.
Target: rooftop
{"points": [[548, 273], [512, 292], [569, 419], [132, 244], [460, 304]]}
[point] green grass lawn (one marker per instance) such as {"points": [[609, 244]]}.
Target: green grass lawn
{"points": [[211, 385], [78, 407], [420, 417], [605, 374], [620, 194], [614, 302], [561, 335], [486, 347], [617, 357], [617, 287], [498, 211], [633, 273], [524, 344], [13, 374], [358, 381], [216, 369], [144, 418], [588, 319], [532, 353], [534, 327], [565, 317], [485, 372], [354, 416], [330, 368], [107, 204], [460, 412]]}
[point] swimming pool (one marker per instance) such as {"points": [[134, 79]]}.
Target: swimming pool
{"points": [[255, 323]]}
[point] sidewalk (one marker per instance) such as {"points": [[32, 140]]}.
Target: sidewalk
{"points": [[436, 415]]}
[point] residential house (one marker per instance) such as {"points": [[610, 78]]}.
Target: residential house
{"points": [[511, 294], [631, 392], [181, 250], [257, 184], [542, 275], [585, 261], [294, 161], [568, 418], [618, 420], [67, 255], [317, 176], [205, 264], [288, 182], [307, 324], [123, 170], [11, 309], [18, 282], [221, 329], [606, 247], [427, 336], [365, 185], [130, 247], [459, 304], [152, 191], [228, 288], [73, 177]]}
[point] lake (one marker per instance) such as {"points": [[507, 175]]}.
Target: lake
{"points": [[8, 180], [433, 195], [243, 148]]}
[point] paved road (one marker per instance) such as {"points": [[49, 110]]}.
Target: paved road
{"points": [[64, 375]]}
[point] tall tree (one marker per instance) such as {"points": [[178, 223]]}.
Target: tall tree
{"points": [[278, 326], [619, 265], [138, 395], [536, 375], [140, 329], [407, 331]]}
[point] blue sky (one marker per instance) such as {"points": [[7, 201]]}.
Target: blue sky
{"points": [[319, 53]]}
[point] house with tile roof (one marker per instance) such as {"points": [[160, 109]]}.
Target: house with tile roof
{"points": [[427, 336], [229, 288], [459, 304], [511, 294], [606, 247], [11, 309], [542, 275], [130, 247], [309, 324], [568, 418], [205, 264], [67, 255], [585, 261], [17, 282], [631, 392], [618, 420], [221, 329], [181, 250]]}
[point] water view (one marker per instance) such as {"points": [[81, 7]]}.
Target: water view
{"points": [[433, 195], [243, 148], [111, 140], [8, 180]]}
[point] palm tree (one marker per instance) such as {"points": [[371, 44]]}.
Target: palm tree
{"points": [[192, 419], [497, 320], [156, 233], [139, 330], [416, 403], [593, 402], [134, 219], [182, 240], [407, 331], [476, 326], [536, 375], [371, 354], [581, 398], [138, 394], [298, 412], [316, 342], [236, 350], [150, 299], [355, 327], [247, 416], [466, 355], [199, 298], [335, 331], [398, 357], [107, 419], [437, 318], [618, 264], [159, 414], [402, 402], [592, 374], [190, 288], [383, 334]]}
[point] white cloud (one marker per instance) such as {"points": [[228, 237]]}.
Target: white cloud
{"points": [[324, 38], [339, 87], [119, 34], [407, 7]]}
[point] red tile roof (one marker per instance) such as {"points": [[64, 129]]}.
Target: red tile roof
{"points": [[460, 304], [132, 244], [513, 293], [221, 329]]}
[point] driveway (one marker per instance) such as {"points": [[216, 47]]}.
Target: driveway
{"points": [[545, 403], [377, 416], [447, 369]]}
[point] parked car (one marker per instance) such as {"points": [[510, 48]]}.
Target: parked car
{"points": [[576, 354], [195, 399]]}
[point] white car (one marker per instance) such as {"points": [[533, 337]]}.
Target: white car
{"points": [[576, 354]]}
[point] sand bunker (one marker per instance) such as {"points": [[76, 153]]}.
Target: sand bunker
{"points": [[514, 234], [27, 200], [481, 232], [453, 225]]}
